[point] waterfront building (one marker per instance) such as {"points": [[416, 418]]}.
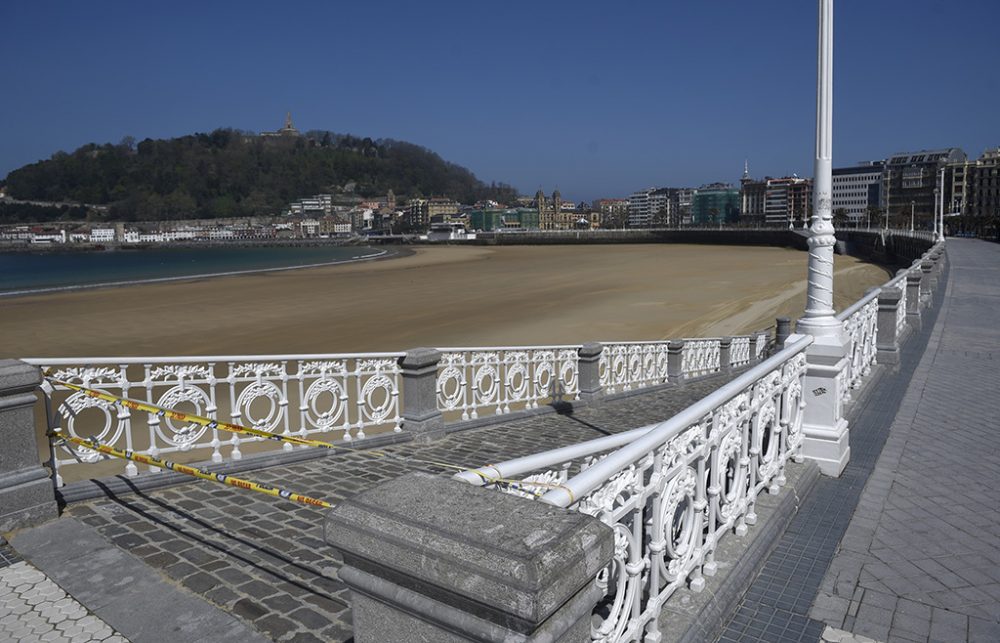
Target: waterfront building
{"points": [[716, 203], [856, 189], [102, 235], [788, 201], [649, 208], [972, 191], [491, 220], [909, 182], [613, 212], [420, 212], [753, 194]]}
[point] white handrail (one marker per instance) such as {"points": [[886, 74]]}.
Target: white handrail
{"points": [[586, 481]]}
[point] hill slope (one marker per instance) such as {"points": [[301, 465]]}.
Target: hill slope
{"points": [[231, 173]]}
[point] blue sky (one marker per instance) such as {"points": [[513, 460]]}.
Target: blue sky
{"points": [[595, 98]]}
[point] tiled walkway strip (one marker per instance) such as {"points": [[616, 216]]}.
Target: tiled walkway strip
{"points": [[33, 608]]}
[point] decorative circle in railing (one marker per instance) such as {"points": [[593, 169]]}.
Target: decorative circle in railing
{"points": [[75, 408], [324, 416], [611, 616], [249, 400], [680, 524], [186, 435], [378, 409], [451, 388]]}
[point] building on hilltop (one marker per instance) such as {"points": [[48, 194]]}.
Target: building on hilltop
{"points": [[857, 190], [287, 131]]}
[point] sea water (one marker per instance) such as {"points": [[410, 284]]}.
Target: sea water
{"points": [[23, 272]]}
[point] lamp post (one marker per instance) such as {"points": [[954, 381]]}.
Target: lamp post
{"points": [[825, 435], [940, 236], [936, 192], [912, 205]]}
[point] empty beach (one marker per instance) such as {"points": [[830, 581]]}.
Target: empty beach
{"points": [[439, 296]]}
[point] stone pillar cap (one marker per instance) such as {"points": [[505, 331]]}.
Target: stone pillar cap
{"points": [[420, 357], [506, 559], [16, 375]]}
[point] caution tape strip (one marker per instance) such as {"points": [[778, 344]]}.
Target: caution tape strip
{"points": [[232, 481], [180, 416]]}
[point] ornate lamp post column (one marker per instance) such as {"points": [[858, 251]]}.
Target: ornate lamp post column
{"points": [[824, 428], [940, 236]]}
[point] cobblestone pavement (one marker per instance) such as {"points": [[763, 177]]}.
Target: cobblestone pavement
{"points": [[264, 560], [33, 608], [921, 558]]}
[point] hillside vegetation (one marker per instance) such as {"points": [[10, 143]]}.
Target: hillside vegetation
{"points": [[230, 173]]}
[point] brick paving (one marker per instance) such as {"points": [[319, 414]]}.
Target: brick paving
{"points": [[264, 560]]}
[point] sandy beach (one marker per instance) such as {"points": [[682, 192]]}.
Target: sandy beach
{"points": [[439, 296]]}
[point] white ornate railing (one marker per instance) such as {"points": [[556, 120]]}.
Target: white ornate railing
{"points": [[632, 365], [674, 489], [739, 351], [701, 357], [289, 394], [499, 380], [861, 326]]}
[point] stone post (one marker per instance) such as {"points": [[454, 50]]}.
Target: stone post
{"points": [[887, 341], [26, 496], [429, 558], [913, 278], [589, 372], [782, 329], [675, 361], [725, 354], [926, 282], [419, 372]]}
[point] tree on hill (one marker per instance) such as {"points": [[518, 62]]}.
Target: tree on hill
{"points": [[231, 173]]}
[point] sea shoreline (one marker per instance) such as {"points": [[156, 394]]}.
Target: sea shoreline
{"points": [[379, 255]]}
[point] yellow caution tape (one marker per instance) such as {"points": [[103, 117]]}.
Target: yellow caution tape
{"points": [[180, 416], [232, 481]]}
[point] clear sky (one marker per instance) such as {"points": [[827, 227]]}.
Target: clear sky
{"points": [[594, 98]]}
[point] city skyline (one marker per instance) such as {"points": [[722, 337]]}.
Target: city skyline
{"points": [[594, 103]]}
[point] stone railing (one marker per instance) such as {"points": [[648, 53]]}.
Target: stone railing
{"points": [[301, 395], [671, 491]]}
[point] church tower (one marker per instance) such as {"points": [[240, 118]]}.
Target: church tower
{"points": [[557, 218]]}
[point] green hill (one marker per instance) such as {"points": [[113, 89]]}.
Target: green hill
{"points": [[230, 173]]}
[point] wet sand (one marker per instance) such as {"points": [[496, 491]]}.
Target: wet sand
{"points": [[439, 296]]}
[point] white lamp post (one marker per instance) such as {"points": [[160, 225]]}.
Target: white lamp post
{"points": [[825, 436], [912, 205], [940, 236]]}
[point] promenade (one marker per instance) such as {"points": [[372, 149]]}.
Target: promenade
{"points": [[904, 546]]}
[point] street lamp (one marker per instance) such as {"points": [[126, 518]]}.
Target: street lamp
{"points": [[912, 205], [936, 192]]}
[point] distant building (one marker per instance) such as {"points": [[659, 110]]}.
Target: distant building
{"points": [[910, 178], [420, 212], [287, 131], [716, 203], [973, 194], [648, 208], [753, 194], [102, 235], [788, 201], [613, 212], [856, 189]]}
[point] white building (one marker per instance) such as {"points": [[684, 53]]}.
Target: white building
{"points": [[856, 188], [645, 205], [102, 235]]}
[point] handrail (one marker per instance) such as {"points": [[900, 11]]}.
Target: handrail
{"points": [[586, 481], [859, 304], [189, 359], [543, 459]]}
